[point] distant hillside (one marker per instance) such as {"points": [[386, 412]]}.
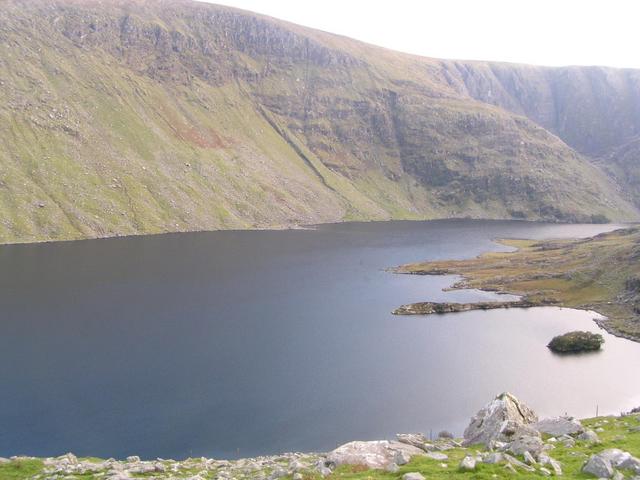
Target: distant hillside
{"points": [[132, 117]]}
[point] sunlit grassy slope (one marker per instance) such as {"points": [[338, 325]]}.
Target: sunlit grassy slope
{"points": [[131, 117]]}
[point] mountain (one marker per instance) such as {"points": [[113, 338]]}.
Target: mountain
{"points": [[132, 117]]}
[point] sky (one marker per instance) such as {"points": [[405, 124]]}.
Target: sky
{"points": [[541, 32]]}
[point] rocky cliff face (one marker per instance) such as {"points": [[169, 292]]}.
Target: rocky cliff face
{"points": [[142, 117], [593, 109]]}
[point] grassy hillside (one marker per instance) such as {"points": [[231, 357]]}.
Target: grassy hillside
{"points": [[601, 273], [142, 117]]}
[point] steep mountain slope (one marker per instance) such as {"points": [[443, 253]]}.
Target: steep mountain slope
{"points": [[593, 109], [141, 117]]}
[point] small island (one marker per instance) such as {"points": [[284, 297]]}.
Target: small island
{"points": [[574, 342]]}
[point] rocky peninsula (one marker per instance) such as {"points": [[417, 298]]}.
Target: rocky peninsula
{"points": [[600, 273], [429, 308], [504, 439]]}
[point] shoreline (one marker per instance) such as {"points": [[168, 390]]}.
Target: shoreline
{"points": [[442, 457], [294, 227], [545, 273]]}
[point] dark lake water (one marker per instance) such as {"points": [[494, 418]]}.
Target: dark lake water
{"points": [[242, 343]]}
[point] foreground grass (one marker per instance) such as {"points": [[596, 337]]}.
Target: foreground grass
{"points": [[615, 432], [600, 273], [20, 469]]}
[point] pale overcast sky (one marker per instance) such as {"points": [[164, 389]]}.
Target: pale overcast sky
{"points": [[543, 32]]}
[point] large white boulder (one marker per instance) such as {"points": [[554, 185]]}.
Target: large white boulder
{"points": [[375, 454], [558, 426], [499, 420]]}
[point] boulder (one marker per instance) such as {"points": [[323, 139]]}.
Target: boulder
{"points": [[439, 456], [392, 468], [514, 462], [598, 467], [621, 459], [414, 439], [412, 476], [468, 464], [589, 436], [528, 458], [493, 458], [375, 454], [525, 439], [402, 458], [557, 468], [498, 421], [557, 426]]}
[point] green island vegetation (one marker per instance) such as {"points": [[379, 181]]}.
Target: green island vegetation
{"points": [[576, 342], [600, 273]]}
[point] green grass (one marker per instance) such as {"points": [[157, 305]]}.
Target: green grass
{"points": [[20, 469]]}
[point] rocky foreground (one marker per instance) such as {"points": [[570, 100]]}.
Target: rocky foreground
{"points": [[504, 439]]}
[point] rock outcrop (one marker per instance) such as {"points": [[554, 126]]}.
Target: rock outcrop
{"points": [[373, 454], [429, 308], [605, 463], [499, 421], [558, 426]]}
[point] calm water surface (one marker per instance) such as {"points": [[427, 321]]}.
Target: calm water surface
{"points": [[243, 343]]}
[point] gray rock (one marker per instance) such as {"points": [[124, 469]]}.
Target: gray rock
{"points": [[621, 459], [412, 476], [528, 458], [296, 465], [439, 456], [631, 463], [498, 421], [324, 471], [133, 458], [278, 473], [468, 464], [297, 476], [545, 472], [522, 445], [517, 463], [618, 476], [374, 454], [598, 467], [557, 426], [589, 436], [493, 457], [414, 439], [392, 468], [557, 468], [401, 457], [510, 468]]}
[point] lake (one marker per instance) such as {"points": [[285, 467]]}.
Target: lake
{"points": [[229, 344]]}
